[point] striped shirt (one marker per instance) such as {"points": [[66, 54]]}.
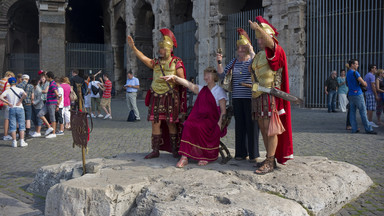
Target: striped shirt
{"points": [[2, 83], [108, 89], [51, 96], [240, 74]]}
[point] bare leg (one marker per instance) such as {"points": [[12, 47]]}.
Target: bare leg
{"points": [[13, 134], [21, 134], [6, 127], [369, 115], [38, 129], [54, 127]]}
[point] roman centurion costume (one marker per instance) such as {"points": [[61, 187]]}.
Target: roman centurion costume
{"points": [[271, 71], [166, 100]]}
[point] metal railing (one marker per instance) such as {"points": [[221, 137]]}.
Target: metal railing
{"points": [[339, 30], [185, 36], [239, 20], [89, 57], [25, 63]]}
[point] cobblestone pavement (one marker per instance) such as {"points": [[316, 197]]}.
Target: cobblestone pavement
{"points": [[315, 132]]}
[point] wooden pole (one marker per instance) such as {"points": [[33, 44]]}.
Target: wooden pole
{"points": [[83, 155]]}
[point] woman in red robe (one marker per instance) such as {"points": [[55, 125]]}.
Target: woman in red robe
{"points": [[202, 130]]}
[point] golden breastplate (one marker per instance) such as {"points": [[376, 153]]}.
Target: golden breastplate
{"points": [[266, 77], [159, 85]]}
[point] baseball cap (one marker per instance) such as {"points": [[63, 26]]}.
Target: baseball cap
{"points": [[12, 80], [25, 76], [40, 72]]}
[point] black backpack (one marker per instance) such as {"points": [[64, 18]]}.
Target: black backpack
{"points": [[94, 89]]}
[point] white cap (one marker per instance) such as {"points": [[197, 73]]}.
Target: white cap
{"points": [[25, 76]]}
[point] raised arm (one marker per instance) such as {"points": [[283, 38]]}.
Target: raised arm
{"points": [[147, 61], [181, 81], [261, 34]]}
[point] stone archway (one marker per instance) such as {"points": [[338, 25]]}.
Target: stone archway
{"points": [[119, 48], [145, 21]]}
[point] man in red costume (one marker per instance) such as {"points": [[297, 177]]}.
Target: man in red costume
{"points": [[271, 71], [166, 100]]}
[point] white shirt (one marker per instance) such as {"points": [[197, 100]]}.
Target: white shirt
{"points": [[217, 92], [12, 98], [61, 93], [94, 83]]}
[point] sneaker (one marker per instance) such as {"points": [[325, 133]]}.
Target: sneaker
{"points": [[23, 143], [30, 133], [110, 117], [93, 116], [373, 124], [60, 133], [107, 116], [51, 136], [8, 137], [137, 120], [35, 134], [50, 129], [14, 143], [100, 116]]}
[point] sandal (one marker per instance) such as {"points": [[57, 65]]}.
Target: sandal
{"points": [[182, 162], [267, 167], [202, 163]]}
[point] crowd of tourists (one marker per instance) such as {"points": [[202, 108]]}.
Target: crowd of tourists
{"points": [[355, 92]]}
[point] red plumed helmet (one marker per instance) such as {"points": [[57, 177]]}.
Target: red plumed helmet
{"points": [[266, 26], [169, 38], [244, 38]]}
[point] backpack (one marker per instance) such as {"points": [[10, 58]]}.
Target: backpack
{"points": [[94, 89], [131, 116]]}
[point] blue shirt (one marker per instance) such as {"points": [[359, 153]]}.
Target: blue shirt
{"points": [[133, 82], [369, 79], [344, 88], [240, 74], [353, 85]]}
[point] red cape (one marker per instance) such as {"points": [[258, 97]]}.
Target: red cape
{"points": [[277, 60]]}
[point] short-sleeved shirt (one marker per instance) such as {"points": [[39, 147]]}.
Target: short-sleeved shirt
{"points": [[96, 84], [51, 96], [240, 74], [67, 93], [343, 89], [353, 85], [217, 92], [331, 84], [133, 82], [60, 90], [11, 96], [2, 83], [369, 78], [38, 102], [108, 89], [28, 88], [43, 87]]}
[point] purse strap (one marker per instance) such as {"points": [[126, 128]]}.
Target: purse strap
{"points": [[15, 93]]}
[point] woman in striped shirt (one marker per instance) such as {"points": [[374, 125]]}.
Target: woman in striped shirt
{"points": [[246, 130]]}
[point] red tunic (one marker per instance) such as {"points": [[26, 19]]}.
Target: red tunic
{"points": [[278, 60]]}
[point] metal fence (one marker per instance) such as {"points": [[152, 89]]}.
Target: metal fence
{"points": [[339, 30], [185, 36], [89, 58], [239, 20], [25, 63]]}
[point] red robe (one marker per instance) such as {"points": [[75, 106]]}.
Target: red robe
{"points": [[201, 133], [278, 60]]}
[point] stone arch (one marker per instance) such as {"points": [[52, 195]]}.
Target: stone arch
{"points": [[23, 26], [181, 11], [119, 54], [145, 23], [4, 8]]}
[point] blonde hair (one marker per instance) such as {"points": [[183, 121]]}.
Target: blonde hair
{"points": [[65, 80], [212, 70], [9, 74], [379, 72]]}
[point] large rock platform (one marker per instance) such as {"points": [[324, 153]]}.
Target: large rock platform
{"points": [[130, 185]]}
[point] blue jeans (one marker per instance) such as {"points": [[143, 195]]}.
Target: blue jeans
{"points": [[332, 100], [357, 101], [16, 115]]}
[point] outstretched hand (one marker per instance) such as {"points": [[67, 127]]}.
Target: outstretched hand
{"points": [[130, 42], [169, 78]]}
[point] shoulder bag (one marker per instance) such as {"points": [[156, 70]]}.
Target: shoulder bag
{"points": [[226, 83]]}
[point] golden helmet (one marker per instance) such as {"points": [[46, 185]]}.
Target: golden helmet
{"points": [[267, 27], [243, 37]]}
